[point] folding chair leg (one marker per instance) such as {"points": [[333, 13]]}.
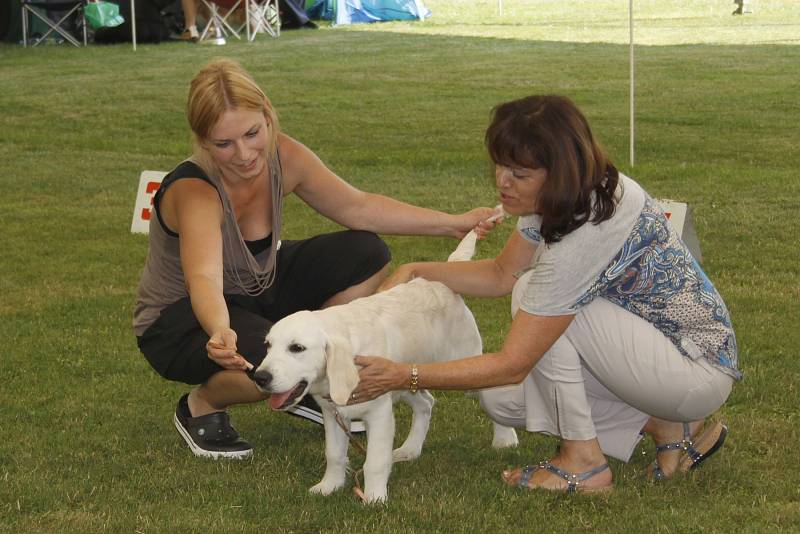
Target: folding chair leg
{"points": [[247, 20], [262, 16], [218, 38], [52, 27], [24, 28], [215, 24], [56, 28], [226, 24]]}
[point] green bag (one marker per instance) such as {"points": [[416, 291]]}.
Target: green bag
{"points": [[102, 14]]}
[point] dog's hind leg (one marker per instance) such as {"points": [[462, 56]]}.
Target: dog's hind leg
{"points": [[421, 409], [335, 455], [504, 436]]}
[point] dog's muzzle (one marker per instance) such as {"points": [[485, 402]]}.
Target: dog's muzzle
{"points": [[278, 401], [262, 379]]}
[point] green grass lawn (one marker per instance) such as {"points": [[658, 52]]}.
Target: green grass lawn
{"points": [[87, 439]]}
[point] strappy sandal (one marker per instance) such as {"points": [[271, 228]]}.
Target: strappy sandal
{"points": [[573, 480], [695, 451]]}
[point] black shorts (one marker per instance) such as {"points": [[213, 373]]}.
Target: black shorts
{"points": [[309, 272]]}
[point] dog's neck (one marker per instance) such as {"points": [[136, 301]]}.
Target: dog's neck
{"points": [[320, 387]]}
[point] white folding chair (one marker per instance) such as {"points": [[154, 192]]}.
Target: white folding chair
{"points": [[263, 16], [218, 27], [71, 11]]}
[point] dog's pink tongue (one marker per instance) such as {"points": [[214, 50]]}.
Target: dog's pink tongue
{"points": [[276, 400]]}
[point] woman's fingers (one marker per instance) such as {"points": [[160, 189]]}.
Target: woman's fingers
{"points": [[485, 226], [236, 363], [227, 357], [377, 376]]}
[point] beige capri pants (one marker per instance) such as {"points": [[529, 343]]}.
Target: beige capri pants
{"points": [[604, 377]]}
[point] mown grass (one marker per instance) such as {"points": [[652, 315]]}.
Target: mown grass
{"points": [[656, 22], [88, 443]]}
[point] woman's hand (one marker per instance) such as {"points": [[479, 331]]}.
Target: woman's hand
{"points": [[378, 376], [482, 220], [221, 348]]}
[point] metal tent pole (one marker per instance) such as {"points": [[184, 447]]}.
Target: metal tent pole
{"points": [[632, 110], [133, 24]]}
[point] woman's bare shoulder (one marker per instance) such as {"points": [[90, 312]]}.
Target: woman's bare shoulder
{"points": [[297, 161], [290, 150], [186, 194]]}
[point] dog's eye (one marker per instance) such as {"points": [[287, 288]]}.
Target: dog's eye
{"points": [[296, 347], [269, 346]]}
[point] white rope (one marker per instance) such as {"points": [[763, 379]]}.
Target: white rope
{"points": [[466, 249]]}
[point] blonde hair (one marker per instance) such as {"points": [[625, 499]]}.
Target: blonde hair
{"points": [[220, 86]]}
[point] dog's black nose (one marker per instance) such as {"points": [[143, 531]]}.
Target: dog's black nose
{"points": [[261, 378]]}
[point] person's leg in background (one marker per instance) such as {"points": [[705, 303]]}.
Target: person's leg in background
{"points": [[190, 32]]}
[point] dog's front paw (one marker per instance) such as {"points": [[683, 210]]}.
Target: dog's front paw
{"points": [[504, 437], [325, 487], [405, 454]]}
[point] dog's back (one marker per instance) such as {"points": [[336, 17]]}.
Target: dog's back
{"points": [[420, 321]]}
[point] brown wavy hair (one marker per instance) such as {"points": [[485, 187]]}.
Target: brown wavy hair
{"points": [[550, 132]]}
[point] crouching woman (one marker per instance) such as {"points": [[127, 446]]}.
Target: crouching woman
{"points": [[617, 330]]}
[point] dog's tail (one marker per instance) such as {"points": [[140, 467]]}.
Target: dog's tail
{"points": [[466, 249]]}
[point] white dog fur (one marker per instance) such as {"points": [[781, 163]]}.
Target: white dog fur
{"points": [[312, 352]]}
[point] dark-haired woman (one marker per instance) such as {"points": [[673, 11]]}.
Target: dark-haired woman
{"points": [[617, 331]]}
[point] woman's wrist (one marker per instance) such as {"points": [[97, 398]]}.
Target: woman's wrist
{"points": [[456, 224], [413, 385], [408, 377], [403, 377], [412, 271], [459, 225]]}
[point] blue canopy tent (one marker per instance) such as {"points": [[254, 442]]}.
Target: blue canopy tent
{"points": [[361, 11]]}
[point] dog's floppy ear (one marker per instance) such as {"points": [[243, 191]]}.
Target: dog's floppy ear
{"points": [[342, 372]]}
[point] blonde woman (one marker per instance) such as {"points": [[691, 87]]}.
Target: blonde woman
{"points": [[218, 274]]}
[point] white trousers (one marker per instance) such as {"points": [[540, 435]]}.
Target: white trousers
{"points": [[604, 377]]}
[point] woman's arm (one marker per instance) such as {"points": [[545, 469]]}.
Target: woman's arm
{"points": [[527, 341], [482, 278], [319, 187], [192, 208]]}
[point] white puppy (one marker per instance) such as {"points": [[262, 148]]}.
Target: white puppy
{"points": [[312, 352]]}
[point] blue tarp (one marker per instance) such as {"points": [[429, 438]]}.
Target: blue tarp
{"points": [[360, 11]]}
